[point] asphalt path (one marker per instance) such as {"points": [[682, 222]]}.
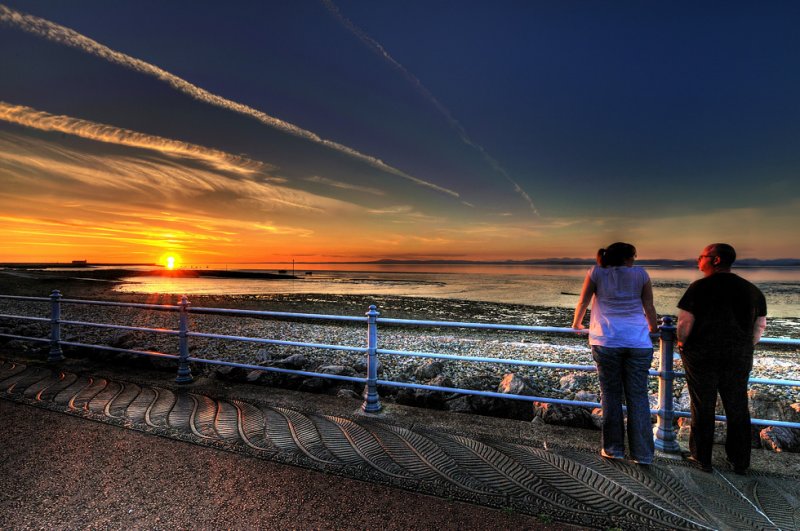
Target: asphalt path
{"points": [[63, 472]]}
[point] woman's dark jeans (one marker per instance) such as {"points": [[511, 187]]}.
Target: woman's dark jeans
{"points": [[623, 373]]}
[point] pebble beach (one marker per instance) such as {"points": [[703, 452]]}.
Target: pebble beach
{"points": [[770, 361]]}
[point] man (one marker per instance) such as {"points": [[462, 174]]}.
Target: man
{"points": [[721, 318]]}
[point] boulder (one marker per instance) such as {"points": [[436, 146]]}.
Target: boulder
{"points": [[426, 397], [235, 374], [562, 415], [294, 362], [338, 370], [360, 367], [348, 393], [578, 381], [780, 439], [765, 404], [428, 371]]}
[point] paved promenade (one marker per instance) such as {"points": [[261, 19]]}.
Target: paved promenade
{"points": [[209, 455]]}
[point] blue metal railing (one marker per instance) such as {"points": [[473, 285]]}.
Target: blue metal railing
{"points": [[664, 432]]}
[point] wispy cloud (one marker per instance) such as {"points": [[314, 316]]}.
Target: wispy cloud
{"points": [[376, 47], [62, 35], [29, 117], [344, 186], [35, 166]]}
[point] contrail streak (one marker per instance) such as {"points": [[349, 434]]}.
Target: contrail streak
{"points": [[376, 47], [62, 35]]}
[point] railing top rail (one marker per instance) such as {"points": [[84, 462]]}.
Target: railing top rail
{"points": [[290, 315], [23, 298], [489, 326]]}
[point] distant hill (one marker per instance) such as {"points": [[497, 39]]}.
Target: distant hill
{"points": [[661, 262]]}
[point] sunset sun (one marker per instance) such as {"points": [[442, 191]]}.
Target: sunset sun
{"points": [[170, 261]]}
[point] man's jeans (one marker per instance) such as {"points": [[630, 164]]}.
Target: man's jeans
{"points": [[623, 373]]}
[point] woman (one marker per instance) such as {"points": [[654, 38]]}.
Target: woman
{"points": [[622, 318]]}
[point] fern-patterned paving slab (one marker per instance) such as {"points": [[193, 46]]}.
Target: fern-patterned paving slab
{"points": [[570, 485]]}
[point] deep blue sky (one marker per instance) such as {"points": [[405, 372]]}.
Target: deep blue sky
{"points": [[617, 119]]}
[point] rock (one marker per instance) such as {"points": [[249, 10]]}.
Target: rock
{"points": [[766, 405], [263, 355], [294, 362], [597, 418], [426, 397], [577, 417], [338, 370], [577, 381], [720, 432], [314, 385], [780, 439], [360, 367], [428, 371], [349, 393], [225, 372], [515, 409], [513, 384], [16, 346], [125, 340]]}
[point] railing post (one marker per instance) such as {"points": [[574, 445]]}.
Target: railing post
{"points": [[55, 327], [184, 372], [665, 439], [371, 402]]}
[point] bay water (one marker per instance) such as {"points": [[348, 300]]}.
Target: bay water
{"points": [[536, 285]]}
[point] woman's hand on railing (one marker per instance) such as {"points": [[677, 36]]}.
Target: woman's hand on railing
{"points": [[578, 326]]}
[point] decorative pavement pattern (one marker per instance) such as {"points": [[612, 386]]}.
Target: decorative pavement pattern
{"points": [[569, 485]]}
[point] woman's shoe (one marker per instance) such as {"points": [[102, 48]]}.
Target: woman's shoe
{"points": [[607, 455]]}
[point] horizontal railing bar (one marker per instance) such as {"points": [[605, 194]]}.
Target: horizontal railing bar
{"points": [[276, 342], [279, 369], [504, 361], [122, 327], [770, 381], [757, 422], [27, 318], [28, 338], [493, 394], [115, 349], [488, 326], [766, 381], [779, 341], [23, 298], [258, 313], [163, 307]]}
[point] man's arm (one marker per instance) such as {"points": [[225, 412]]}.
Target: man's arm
{"points": [[685, 324], [758, 328]]}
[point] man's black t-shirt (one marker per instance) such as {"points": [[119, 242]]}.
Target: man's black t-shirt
{"points": [[725, 307]]}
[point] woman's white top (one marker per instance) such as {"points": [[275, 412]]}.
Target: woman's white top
{"points": [[617, 318]]}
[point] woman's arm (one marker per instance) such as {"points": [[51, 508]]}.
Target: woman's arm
{"points": [[649, 307], [587, 293]]}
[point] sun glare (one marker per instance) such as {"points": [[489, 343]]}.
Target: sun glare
{"points": [[170, 261]]}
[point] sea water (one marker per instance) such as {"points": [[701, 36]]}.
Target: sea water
{"points": [[554, 286]]}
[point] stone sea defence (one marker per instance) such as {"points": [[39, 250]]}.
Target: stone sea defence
{"points": [[766, 402]]}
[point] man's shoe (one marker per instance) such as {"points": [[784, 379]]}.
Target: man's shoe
{"points": [[737, 469], [705, 467]]}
